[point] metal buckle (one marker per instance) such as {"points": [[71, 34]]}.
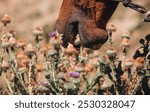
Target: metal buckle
{"points": [[147, 18]]}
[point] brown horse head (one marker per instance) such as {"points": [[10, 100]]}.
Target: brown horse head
{"points": [[88, 18]]}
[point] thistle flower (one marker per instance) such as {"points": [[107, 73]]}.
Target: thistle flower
{"points": [[6, 19], [44, 82], [55, 41], [74, 74], [111, 52], [125, 34], [52, 34]]}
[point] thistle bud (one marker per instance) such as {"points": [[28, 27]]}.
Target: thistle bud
{"points": [[38, 31], [74, 74], [6, 19], [125, 35]]}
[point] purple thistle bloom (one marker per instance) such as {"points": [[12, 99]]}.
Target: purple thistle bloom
{"points": [[52, 34], [44, 83], [74, 74]]}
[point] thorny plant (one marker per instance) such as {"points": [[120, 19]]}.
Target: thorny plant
{"points": [[49, 69]]}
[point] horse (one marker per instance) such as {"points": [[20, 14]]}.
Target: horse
{"points": [[88, 18]]}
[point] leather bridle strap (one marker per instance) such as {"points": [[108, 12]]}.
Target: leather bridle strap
{"points": [[128, 3]]}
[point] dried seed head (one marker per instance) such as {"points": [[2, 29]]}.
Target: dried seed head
{"points": [[79, 67], [20, 54], [55, 40], [21, 43], [51, 53], [125, 43], [23, 62], [103, 59], [38, 31], [111, 52], [12, 41], [30, 50], [5, 45], [139, 63], [6, 19], [70, 50], [68, 85], [126, 35], [12, 33], [128, 63], [4, 65], [111, 27], [45, 48], [39, 67]]}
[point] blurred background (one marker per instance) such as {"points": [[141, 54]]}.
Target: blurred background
{"points": [[27, 14]]}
